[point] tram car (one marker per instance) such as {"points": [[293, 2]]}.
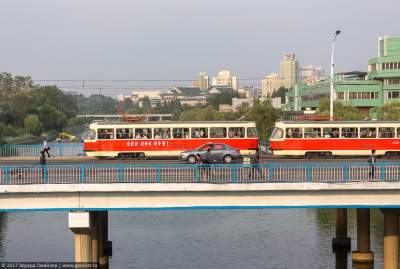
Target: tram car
{"points": [[167, 139], [335, 138]]}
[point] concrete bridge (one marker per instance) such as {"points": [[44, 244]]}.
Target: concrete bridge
{"points": [[88, 192]]}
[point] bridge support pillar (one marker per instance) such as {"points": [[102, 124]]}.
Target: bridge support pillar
{"points": [[105, 246], [80, 225], [95, 236], [341, 240], [363, 254], [391, 239]]}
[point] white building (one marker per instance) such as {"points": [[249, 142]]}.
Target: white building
{"points": [[289, 71], [311, 73], [237, 102], [225, 78], [271, 83]]}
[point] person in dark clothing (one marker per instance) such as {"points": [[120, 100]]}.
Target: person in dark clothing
{"points": [[43, 163], [255, 164], [208, 160], [372, 162]]}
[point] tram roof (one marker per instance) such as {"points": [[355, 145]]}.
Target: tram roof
{"points": [[341, 122], [169, 122]]}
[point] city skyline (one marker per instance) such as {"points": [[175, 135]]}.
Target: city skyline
{"points": [[133, 40]]}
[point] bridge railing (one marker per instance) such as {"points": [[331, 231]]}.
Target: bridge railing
{"points": [[56, 150], [185, 173]]}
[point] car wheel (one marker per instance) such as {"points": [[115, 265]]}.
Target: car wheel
{"points": [[227, 159], [191, 159]]}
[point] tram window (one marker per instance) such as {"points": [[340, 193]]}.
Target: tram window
{"points": [[386, 132], [277, 133], [198, 132], [330, 132], [368, 132], [124, 133], [162, 133], [105, 134], [143, 133], [217, 132], [294, 133], [350, 132], [312, 132], [236, 132], [251, 132], [90, 135], [180, 133]]}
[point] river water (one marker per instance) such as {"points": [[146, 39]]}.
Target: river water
{"points": [[259, 238]]}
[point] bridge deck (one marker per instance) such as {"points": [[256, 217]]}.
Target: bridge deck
{"points": [[149, 186]]}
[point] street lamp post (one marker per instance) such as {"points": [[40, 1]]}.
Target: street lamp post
{"points": [[332, 65]]}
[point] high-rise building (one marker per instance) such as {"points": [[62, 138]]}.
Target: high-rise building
{"points": [[311, 74], [203, 81], [271, 83], [225, 78], [289, 70]]}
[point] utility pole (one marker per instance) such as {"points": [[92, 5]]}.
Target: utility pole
{"points": [[332, 65]]}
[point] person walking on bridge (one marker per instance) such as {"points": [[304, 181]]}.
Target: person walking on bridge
{"points": [[208, 160], [255, 164], [372, 162], [46, 148], [43, 163]]}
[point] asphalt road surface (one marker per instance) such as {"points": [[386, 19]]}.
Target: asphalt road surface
{"points": [[264, 159]]}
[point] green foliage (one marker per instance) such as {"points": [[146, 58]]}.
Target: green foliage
{"points": [[340, 111], [281, 92], [33, 125], [95, 104], [207, 114], [265, 116], [390, 111], [21, 102]]}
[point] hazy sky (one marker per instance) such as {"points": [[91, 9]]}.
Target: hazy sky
{"points": [[176, 39]]}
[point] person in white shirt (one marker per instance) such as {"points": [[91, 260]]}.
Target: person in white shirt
{"points": [[46, 148]]}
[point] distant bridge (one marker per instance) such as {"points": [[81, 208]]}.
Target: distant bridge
{"points": [[111, 117]]}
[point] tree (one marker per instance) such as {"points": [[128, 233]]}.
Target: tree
{"points": [[265, 116], [222, 98], [33, 125], [340, 111], [390, 111], [281, 92]]}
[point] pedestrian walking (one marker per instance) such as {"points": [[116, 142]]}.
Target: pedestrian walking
{"points": [[46, 148], [208, 160], [255, 164], [372, 163], [43, 163]]}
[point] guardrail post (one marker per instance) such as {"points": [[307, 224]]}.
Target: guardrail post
{"points": [[158, 173], [196, 172], [234, 173], [83, 173], [346, 172], [45, 179], [382, 171], [309, 176], [270, 172], [6, 176], [121, 172]]}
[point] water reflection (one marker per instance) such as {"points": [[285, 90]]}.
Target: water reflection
{"points": [[3, 219], [285, 238]]}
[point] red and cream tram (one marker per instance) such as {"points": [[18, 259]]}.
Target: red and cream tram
{"points": [[130, 140], [333, 138]]}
